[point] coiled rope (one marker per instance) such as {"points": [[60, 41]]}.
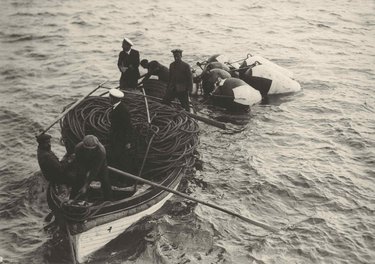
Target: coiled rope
{"points": [[169, 141]]}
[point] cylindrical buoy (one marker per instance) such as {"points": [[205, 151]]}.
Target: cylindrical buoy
{"points": [[233, 93], [267, 80], [209, 78]]}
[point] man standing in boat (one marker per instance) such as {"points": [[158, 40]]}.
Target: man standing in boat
{"points": [[156, 69], [128, 63], [91, 165], [180, 81], [121, 149]]}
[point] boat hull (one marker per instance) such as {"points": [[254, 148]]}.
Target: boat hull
{"points": [[87, 242]]}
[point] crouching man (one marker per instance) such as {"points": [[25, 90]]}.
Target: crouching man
{"points": [[91, 162]]}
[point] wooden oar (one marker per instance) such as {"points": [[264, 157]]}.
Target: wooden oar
{"points": [[200, 118], [70, 108], [207, 120], [131, 176], [71, 247]]}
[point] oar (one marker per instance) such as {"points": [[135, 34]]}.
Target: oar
{"points": [[71, 247], [200, 118], [207, 120], [71, 107], [140, 77], [144, 96], [131, 176]]}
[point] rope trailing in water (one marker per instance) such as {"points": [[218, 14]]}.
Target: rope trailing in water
{"points": [[173, 133]]}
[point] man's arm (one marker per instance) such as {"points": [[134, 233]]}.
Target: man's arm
{"points": [[50, 166], [134, 60], [120, 63], [96, 167], [189, 76], [171, 74], [153, 66], [137, 59], [128, 128]]}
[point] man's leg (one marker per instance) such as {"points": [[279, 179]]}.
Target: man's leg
{"points": [[106, 184], [183, 97], [169, 96], [79, 181], [122, 81]]}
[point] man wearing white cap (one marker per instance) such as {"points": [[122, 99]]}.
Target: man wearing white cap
{"points": [[121, 134], [128, 63]]}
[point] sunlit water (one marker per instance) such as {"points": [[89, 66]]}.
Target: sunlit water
{"points": [[303, 162]]}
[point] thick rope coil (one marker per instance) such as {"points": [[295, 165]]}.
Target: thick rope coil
{"points": [[173, 133]]}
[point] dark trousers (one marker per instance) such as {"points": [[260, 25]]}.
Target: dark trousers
{"points": [[124, 161], [183, 97], [127, 82], [81, 179]]}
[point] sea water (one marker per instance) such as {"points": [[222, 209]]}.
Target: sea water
{"points": [[303, 162]]}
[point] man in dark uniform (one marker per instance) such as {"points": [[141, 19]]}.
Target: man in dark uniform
{"points": [[121, 149], [155, 68], [128, 63], [180, 81], [54, 171], [91, 165], [48, 162]]}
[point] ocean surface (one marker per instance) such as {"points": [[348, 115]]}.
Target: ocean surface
{"points": [[304, 163]]}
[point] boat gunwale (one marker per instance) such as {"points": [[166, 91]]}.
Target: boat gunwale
{"points": [[127, 204]]}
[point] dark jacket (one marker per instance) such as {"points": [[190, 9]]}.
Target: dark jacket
{"points": [[93, 161], [121, 130], [155, 68], [50, 165], [180, 77], [130, 77]]}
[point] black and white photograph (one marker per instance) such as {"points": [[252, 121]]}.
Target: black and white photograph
{"points": [[187, 132]]}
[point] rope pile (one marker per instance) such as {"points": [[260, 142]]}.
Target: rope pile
{"points": [[169, 141]]}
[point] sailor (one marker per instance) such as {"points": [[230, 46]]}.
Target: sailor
{"points": [[155, 68], [128, 63], [121, 147], [53, 170], [91, 165], [180, 81], [48, 161]]}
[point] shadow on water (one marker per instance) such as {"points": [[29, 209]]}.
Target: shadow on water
{"points": [[278, 99]]}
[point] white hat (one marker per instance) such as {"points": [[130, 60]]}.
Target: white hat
{"points": [[116, 93], [128, 41]]}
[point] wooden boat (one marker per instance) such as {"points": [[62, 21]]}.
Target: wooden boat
{"points": [[166, 149]]}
